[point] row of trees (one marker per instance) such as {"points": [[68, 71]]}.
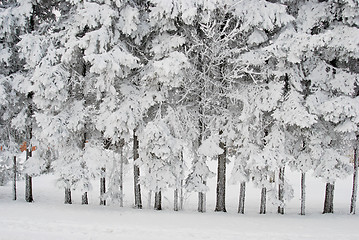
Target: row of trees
{"points": [[265, 84]]}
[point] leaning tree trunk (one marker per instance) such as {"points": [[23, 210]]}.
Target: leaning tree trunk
{"points": [[84, 199], [102, 187], [28, 182], [221, 180], [158, 200], [329, 197], [136, 173], [262, 209], [302, 195], [281, 191], [355, 183], [14, 180], [68, 195], [242, 196]]}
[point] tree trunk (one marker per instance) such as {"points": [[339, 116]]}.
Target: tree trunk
{"points": [[158, 199], [242, 196], [329, 197], [68, 196], [221, 180], [28, 181], [202, 201], [355, 183], [302, 199], [14, 180], [149, 199], [281, 191], [121, 176], [262, 209], [181, 197], [136, 173], [102, 187], [85, 199], [175, 200]]}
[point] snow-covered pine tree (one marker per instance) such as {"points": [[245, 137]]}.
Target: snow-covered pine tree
{"points": [[332, 85]]}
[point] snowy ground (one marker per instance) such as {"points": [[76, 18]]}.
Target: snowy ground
{"points": [[49, 218]]}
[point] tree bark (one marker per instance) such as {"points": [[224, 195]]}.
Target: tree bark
{"points": [[68, 196], [262, 209], [14, 180], [175, 200], [85, 199], [221, 180], [202, 201], [28, 181], [329, 197], [281, 190], [181, 198], [302, 196], [158, 200], [102, 187], [242, 196], [149, 199], [121, 176], [136, 173], [355, 183]]}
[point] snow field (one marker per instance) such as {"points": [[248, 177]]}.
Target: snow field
{"points": [[49, 218]]}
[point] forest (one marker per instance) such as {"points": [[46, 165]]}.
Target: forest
{"points": [[167, 86]]}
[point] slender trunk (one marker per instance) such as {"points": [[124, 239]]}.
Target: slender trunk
{"points": [[355, 183], [221, 180], [136, 173], [202, 201], [28, 181], [158, 199], [329, 197], [14, 180], [181, 197], [175, 201], [121, 177], [281, 191], [68, 195], [102, 187], [263, 201], [149, 199], [242, 196], [302, 199], [85, 199]]}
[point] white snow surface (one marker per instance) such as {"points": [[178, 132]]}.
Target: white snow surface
{"points": [[48, 218]]}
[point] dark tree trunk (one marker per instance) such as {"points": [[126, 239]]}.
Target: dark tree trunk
{"points": [[329, 197], [136, 173], [281, 191], [175, 200], [68, 196], [85, 199], [121, 176], [302, 196], [242, 196], [202, 201], [221, 180], [158, 200], [263, 206], [28, 181], [355, 183], [102, 187], [14, 180]]}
